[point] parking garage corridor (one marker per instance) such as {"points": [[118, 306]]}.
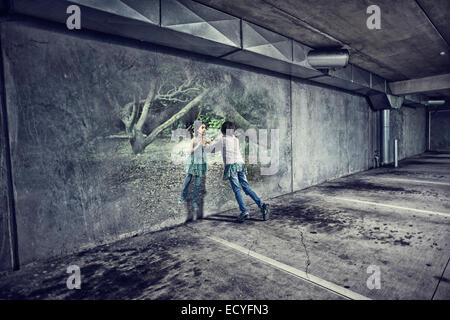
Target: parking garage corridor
{"points": [[323, 242]]}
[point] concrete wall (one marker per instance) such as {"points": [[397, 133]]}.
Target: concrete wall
{"points": [[77, 180], [440, 130], [332, 134], [80, 176], [408, 125]]}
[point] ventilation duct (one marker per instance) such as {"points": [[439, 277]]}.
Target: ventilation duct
{"points": [[180, 24], [415, 100], [263, 48], [192, 26], [380, 101], [395, 101], [328, 59]]}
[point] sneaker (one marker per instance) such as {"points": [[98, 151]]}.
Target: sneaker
{"points": [[265, 212], [243, 216]]}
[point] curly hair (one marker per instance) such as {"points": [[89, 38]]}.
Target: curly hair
{"points": [[227, 125]]}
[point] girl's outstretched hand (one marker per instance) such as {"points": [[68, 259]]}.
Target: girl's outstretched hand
{"points": [[206, 141]]}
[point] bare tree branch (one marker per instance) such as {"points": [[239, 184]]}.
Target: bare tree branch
{"points": [[173, 93], [232, 114], [149, 139], [117, 136], [130, 116], [148, 101], [161, 94]]}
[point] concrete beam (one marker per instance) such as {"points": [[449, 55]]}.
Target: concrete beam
{"points": [[422, 85]]}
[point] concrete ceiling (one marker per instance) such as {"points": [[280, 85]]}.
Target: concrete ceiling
{"points": [[408, 46]]}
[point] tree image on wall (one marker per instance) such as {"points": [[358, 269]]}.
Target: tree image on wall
{"points": [[178, 96], [171, 99]]}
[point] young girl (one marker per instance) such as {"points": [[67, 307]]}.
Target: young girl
{"points": [[196, 167], [235, 170]]}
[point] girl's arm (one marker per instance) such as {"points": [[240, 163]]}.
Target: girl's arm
{"points": [[216, 145], [192, 149]]}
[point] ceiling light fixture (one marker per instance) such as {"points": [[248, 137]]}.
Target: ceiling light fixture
{"points": [[435, 102]]}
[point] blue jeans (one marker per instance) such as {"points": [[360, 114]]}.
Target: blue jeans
{"points": [[236, 182], [187, 182]]}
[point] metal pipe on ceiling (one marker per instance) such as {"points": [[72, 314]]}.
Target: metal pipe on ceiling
{"points": [[327, 59]]}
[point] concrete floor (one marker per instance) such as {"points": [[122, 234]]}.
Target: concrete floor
{"points": [[318, 245]]}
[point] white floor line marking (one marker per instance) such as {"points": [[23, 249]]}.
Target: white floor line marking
{"points": [[293, 271], [395, 207], [415, 181]]}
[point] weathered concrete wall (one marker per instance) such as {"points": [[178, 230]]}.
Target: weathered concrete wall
{"points": [[440, 130], [77, 180], [408, 125], [332, 134], [83, 172], [5, 252]]}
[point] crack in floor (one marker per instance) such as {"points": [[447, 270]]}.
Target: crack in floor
{"points": [[308, 261], [439, 282], [254, 243]]}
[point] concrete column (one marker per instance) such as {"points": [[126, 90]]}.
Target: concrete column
{"points": [[396, 153], [429, 131], [385, 136]]}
